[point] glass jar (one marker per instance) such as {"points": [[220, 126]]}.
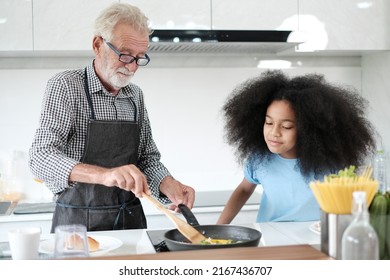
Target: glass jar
{"points": [[360, 241]]}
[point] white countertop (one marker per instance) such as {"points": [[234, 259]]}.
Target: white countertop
{"points": [[273, 234]]}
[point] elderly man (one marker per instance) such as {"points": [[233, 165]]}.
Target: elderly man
{"points": [[94, 147]]}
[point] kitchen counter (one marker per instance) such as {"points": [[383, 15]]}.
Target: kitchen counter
{"points": [[207, 208], [280, 240], [137, 245], [289, 252]]}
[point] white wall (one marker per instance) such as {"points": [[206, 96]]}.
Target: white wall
{"points": [[376, 88], [184, 104]]}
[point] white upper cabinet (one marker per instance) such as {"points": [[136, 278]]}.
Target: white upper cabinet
{"points": [[65, 25], [345, 25], [175, 14], [255, 14], [16, 25]]}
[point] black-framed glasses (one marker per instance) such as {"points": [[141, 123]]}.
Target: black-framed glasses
{"points": [[126, 58]]}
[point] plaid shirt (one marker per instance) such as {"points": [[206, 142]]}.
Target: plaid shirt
{"points": [[60, 138]]}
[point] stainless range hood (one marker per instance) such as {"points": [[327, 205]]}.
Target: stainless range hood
{"points": [[221, 41]]}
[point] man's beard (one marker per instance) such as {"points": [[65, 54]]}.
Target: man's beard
{"points": [[120, 77]]}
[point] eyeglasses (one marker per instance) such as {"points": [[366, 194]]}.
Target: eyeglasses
{"points": [[126, 58]]}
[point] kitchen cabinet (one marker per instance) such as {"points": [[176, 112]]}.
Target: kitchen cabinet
{"points": [[255, 14], [71, 22], [65, 25], [16, 25], [345, 25], [58, 25], [175, 14]]}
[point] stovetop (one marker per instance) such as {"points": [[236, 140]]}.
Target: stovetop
{"points": [[158, 240]]}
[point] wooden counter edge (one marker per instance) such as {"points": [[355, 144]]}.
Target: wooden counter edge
{"points": [[290, 252]]}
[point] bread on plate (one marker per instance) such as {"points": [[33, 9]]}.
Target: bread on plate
{"points": [[76, 241]]}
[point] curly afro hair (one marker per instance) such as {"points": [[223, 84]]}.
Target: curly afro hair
{"points": [[332, 130]]}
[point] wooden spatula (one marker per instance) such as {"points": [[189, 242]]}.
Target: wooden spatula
{"points": [[186, 229]]}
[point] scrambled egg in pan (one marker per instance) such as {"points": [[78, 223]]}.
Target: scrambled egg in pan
{"points": [[211, 241]]}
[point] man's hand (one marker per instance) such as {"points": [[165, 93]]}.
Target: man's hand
{"points": [[177, 193], [127, 177]]}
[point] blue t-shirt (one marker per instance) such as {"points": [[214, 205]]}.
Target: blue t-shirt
{"points": [[287, 195]]}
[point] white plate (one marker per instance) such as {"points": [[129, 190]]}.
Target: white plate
{"points": [[106, 244], [316, 227]]}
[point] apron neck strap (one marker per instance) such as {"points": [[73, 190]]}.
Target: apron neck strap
{"points": [[89, 99], [88, 94]]}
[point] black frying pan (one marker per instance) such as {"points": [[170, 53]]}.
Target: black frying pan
{"points": [[246, 237]]}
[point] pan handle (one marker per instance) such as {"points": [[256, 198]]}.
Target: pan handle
{"points": [[188, 215]]}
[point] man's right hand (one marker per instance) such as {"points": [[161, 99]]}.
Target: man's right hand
{"points": [[127, 177]]}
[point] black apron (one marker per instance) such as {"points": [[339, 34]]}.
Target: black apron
{"points": [[108, 144]]}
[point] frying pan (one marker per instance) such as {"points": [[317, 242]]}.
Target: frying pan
{"points": [[245, 237]]}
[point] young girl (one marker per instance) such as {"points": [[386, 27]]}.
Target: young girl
{"points": [[310, 128]]}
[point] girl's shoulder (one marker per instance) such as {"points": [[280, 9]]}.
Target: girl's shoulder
{"points": [[257, 160], [259, 166]]}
